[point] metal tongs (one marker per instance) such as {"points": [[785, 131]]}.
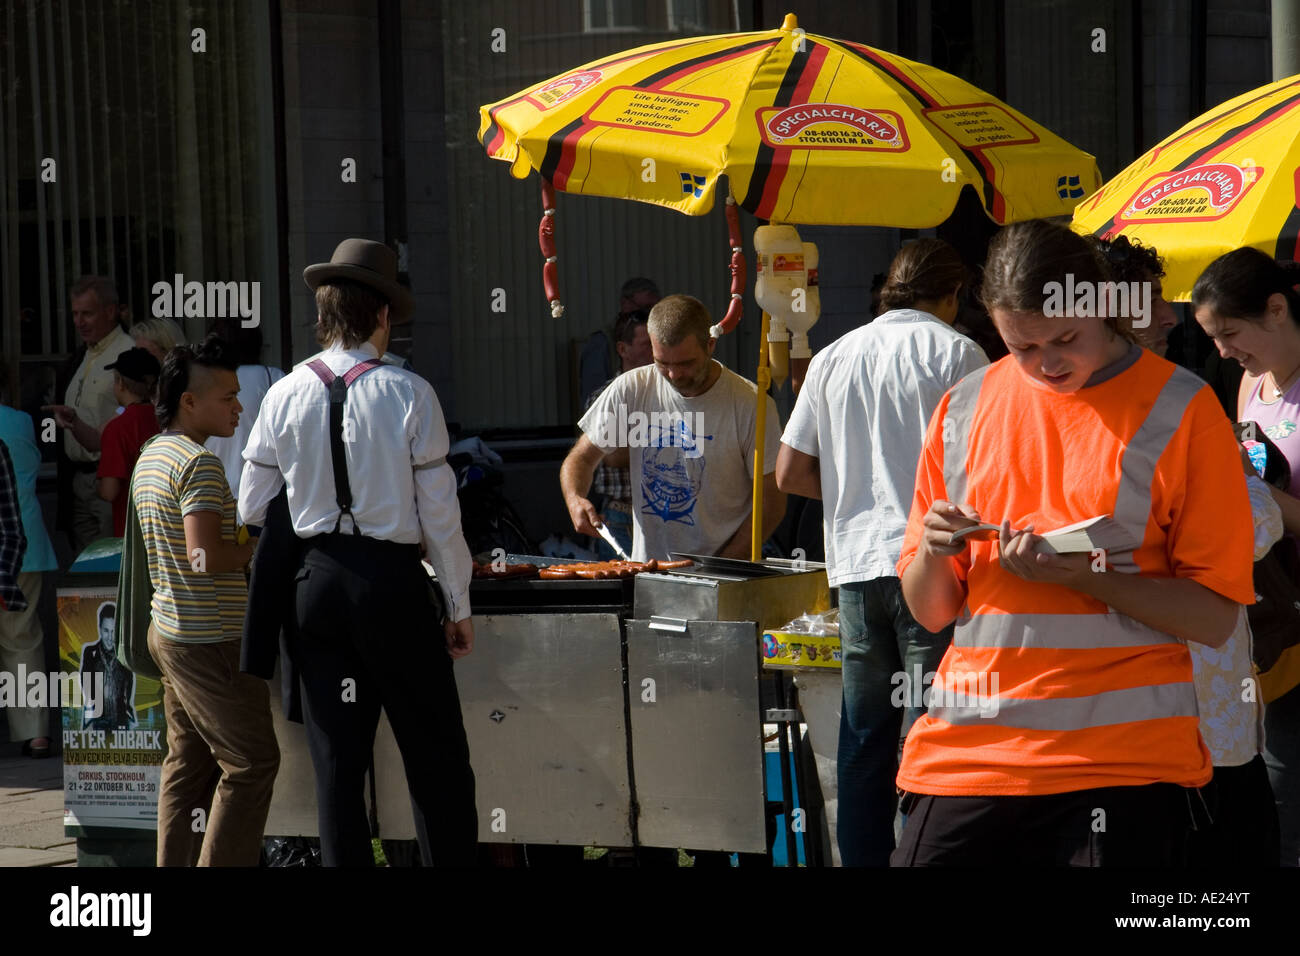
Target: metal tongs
{"points": [[613, 542]]}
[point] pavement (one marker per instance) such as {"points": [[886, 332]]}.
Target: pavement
{"points": [[31, 811]]}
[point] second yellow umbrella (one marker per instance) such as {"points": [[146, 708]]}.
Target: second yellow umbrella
{"points": [[1229, 178]]}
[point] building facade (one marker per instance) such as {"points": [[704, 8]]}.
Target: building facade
{"points": [[240, 140]]}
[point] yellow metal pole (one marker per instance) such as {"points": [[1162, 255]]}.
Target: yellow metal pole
{"points": [[764, 379]]}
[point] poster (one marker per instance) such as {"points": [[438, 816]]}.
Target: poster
{"points": [[114, 743]]}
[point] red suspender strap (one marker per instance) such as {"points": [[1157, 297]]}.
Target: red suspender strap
{"points": [[322, 371], [361, 368]]}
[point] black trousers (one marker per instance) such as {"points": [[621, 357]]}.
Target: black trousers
{"points": [[369, 635], [1245, 831], [1108, 826]]}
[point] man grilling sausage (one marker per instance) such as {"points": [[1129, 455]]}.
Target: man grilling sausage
{"points": [[686, 426]]}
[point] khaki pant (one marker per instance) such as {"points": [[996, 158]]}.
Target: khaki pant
{"points": [[222, 756], [21, 640], [92, 516]]}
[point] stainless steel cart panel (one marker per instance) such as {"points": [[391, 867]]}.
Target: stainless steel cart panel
{"points": [[697, 749], [542, 699]]}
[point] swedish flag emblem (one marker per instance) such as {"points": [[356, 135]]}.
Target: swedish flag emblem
{"points": [[1068, 187], [693, 184]]}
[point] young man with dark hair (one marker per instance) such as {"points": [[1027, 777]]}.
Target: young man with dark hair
{"points": [[135, 373], [221, 751], [255, 380], [362, 447]]}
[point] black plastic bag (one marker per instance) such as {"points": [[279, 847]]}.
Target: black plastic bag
{"points": [[291, 851]]}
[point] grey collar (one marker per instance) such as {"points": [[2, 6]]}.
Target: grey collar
{"points": [[1121, 364]]}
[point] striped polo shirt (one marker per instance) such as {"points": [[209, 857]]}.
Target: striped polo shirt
{"points": [[176, 476]]}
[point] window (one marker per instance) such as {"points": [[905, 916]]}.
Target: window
{"points": [[688, 16], [138, 161], [604, 16]]}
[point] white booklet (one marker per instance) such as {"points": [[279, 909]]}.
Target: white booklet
{"points": [[1092, 534]]}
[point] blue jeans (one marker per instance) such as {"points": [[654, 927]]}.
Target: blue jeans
{"points": [[879, 638], [1282, 756]]}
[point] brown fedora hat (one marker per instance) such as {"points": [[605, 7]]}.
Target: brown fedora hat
{"points": [[370, 263]]}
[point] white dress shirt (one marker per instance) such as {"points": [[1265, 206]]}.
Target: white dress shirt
{"points": [[862, 413], [396, 444], [254, 382]]}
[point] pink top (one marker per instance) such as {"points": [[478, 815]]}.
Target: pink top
{"points": [[1280, 421]]}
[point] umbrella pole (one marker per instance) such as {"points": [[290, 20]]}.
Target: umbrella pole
{"points": [[764, 379]]}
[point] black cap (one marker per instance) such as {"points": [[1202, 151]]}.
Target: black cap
{"points": [[136, 364]]}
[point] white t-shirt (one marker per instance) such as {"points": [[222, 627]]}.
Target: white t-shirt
{"points": [[862, 413], [692, 459], [254, 381]]}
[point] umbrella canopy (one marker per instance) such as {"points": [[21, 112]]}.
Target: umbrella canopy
{"points": [[1229, 178], [807, 129]]}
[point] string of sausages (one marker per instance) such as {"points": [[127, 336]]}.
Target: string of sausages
{"points": [[546, 239], [598, 570], [736, 308], [602, 570], [551, 271]]}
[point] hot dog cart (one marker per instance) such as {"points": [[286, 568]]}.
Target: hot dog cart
{"points": [[617, 712]]}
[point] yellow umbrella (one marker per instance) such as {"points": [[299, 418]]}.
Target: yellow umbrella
{"points": [[807, 129], [1229, 178]]}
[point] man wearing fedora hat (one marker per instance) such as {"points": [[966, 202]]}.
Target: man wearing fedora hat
{"points": [[362, 447]]}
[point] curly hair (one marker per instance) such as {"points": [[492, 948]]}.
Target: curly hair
{"points": [[1129, 260]]}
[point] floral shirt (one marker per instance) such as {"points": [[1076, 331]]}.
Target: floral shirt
{"points": [[1227, 691]]}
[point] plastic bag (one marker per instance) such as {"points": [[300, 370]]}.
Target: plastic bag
{"points": [[825, 624], [291, 851]]}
